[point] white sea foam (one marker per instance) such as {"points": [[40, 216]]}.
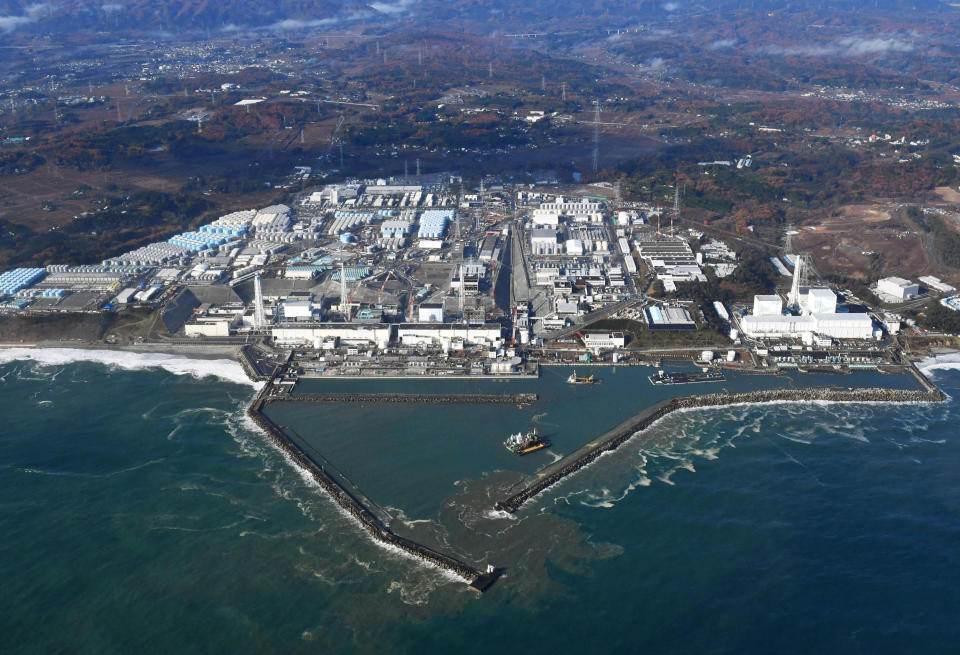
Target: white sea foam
{"points": [[311, 482], [950, 362], [225, 369]]}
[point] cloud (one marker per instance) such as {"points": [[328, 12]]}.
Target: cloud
{"points": [[398, 7], [671, 6], [11, 23], [850, 46], [111, 7], [300, 24], [293, 24], [856, 46], [720, 44], [31, 14]]}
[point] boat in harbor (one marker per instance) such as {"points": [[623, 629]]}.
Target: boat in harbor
{"points": [[706, 375], [521, 444], [573, 379]]}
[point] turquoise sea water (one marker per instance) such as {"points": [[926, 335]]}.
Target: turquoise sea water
{"points": [[141, 512]]}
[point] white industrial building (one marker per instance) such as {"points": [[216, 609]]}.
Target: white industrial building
{"points": [[543, 241], [937, 284], [446, 335], [897, 287], [541, 218], [302, 310], [573, 247], [598, 340], [838, 326], [821, 301], [771, 305], [315, 334], [430, 312], [844, 326], [213, 325]]}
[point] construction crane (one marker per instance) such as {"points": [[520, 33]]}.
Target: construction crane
{"points": [[383, 286]]}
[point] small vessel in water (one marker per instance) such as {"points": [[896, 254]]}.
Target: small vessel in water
{"points": [[521, 444], [573, 379], [706, 375]]}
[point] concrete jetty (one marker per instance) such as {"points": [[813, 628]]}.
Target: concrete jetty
{"points": [[610, 440], [478, 580], [408, 398]]}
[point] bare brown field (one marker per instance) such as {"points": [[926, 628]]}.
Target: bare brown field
{"points": [[949, 194], [864, 242]]}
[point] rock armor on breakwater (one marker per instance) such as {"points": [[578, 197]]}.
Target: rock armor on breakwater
{"points": [[367, 520], [408, 398], [645, 419]]}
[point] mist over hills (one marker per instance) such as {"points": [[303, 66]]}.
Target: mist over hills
{"points": [[199, 17]]}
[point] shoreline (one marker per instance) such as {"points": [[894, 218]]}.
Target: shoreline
{"points": [[547, 477], [206, 351]]}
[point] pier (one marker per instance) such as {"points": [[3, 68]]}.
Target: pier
{"points": [[612, 439], [478, 580], [408, 398]]}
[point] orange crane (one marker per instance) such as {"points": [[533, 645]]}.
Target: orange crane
{"points": [[383, 286]]}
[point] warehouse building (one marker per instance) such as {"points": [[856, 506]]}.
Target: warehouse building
{"points": [[669, 318], [543, 241], [600, 340], [898, 288]]}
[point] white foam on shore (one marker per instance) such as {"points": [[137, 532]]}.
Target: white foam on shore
{"points": [[950, 362], [225, 369], [307, 477]]}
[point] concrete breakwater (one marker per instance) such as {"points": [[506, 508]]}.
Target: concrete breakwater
{"points": [[367, 520], [408, 398], [626, 430]]}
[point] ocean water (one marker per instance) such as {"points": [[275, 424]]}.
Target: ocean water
{"points": [[140, 511]]}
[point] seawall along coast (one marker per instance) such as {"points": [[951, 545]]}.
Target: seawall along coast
{"points": [[645, 419]]}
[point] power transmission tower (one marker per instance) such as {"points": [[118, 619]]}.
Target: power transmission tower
{"points": [[788, 244]]}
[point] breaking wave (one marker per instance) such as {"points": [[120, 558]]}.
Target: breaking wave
{"points": [[224, 369], [949, 362]]}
